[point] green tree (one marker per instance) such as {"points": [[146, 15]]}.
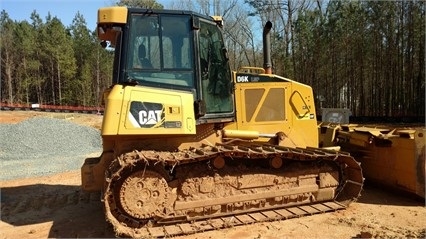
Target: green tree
{"points": [[8, 58], [24, 46], [83, 50], [38, 76], [60, 61]]}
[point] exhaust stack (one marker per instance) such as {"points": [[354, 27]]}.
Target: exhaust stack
{"points": [[267, 62]]}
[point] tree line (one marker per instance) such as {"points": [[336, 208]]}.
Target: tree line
{"points": [[47, 63], [367, 56]]}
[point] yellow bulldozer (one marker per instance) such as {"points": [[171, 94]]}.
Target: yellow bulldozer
{"points": [[189, 145]]}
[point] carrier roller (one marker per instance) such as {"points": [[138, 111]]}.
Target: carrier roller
{"points": [[158, 194]]}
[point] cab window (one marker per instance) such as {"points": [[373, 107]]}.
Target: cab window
{"points": [[215, 72], [160, 51]]}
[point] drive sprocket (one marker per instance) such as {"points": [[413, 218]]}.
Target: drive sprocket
{"points": [[144, 194]]}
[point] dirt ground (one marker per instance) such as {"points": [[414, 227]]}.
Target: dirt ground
{"points": [[53, 206], [12, 117]]}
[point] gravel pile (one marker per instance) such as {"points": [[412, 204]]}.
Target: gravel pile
{"points": [[40, 146]]}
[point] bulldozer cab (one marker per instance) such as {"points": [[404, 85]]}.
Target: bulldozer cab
{"points": [[171, 50]]}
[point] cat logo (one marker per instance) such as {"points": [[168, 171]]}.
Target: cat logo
{"points": [[149, 117], [146, 114]]}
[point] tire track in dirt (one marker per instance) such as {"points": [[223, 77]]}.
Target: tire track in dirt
{"points": [[21, 203]]}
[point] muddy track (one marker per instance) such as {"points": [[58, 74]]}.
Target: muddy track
{"points": [[237, 220], [188, 214]]}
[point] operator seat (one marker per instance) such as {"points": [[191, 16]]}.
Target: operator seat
{"points": [[145, 63]]}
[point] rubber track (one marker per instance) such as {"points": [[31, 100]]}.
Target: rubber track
{"points": [[238, 220]]}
